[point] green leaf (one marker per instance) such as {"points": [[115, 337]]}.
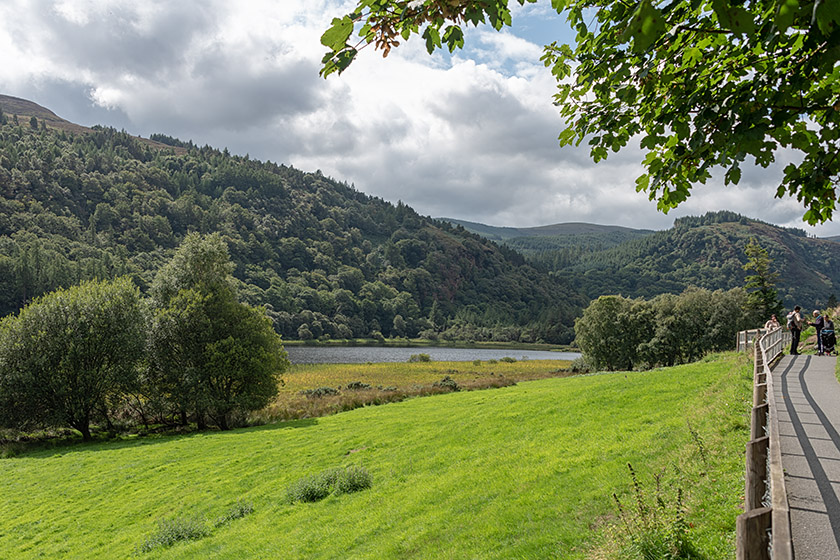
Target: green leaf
{"points": [[785, 14], [453, 37], [734, 18], [432, 38], [336, 36], [642, 183], [337, 62], [558, 5], [646, 26], [733, 176], [827, 15]]}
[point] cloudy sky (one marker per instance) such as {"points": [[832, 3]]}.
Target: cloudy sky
{"points": [[470, 136]]}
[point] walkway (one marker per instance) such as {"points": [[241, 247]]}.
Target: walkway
{"points": [[808, 401]]}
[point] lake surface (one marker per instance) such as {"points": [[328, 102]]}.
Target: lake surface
{"points": [[376, 354]]}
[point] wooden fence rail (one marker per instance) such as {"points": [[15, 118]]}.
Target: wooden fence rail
{"points": [[763, 530]]}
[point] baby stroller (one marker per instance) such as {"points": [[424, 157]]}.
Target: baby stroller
{"points": [[828, 338]]}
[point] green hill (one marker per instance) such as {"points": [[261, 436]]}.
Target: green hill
{"points": [[326, 260], [527, 471], [708, 252], [705, 251]]}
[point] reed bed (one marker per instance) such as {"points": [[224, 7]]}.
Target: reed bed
{"points": [[358, 385]]}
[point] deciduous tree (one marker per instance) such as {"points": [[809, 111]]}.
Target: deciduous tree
{"points": [[210, 355], [701, 84], [66, 353]]}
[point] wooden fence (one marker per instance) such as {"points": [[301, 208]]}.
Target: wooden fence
{"points": [[763, 530], [746, 339]]}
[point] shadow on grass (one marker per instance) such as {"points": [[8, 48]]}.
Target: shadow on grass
{"points": [[45, 449]]}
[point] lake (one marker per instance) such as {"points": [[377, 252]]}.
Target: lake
{"points": [[377, 354]]}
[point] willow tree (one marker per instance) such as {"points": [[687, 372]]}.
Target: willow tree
{"points": [[700, 84]]}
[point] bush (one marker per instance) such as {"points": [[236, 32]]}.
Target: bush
{"points": [[447, 383], [171, 531], [580, 365], [352, 479], [420, 358], [357, 386], [312, 488], [238, 511], [319, 392], [318, 486], [654, 527], [508, 360]]}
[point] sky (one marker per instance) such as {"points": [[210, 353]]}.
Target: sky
{"points": [[472, 135]]}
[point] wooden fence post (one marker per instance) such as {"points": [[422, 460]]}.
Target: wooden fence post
{"points": [[758, 427], [756, 475], [751, 533], [759, 394]]}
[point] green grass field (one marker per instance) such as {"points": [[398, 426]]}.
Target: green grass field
{"points": [[526, 471]]}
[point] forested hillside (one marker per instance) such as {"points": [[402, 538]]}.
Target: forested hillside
{"points": [[326, 260], [708, 252]]}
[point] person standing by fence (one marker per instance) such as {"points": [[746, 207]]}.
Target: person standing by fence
{"points": [[794, 324]]}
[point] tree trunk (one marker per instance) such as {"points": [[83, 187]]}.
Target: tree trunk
{"points": [[84, 427]]}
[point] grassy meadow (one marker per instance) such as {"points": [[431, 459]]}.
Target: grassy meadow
{"points": [[524, 471]]}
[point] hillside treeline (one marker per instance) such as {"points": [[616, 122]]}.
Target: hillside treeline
{"points": [[616, 332], [707, 252], [326, 260]]}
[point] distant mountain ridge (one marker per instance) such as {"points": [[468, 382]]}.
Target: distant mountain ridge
{"points": [[497, 233], [14, 107]]}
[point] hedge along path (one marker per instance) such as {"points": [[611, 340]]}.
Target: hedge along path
{"points": [[524, 471]]}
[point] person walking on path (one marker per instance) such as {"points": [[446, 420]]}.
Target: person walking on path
{"points": [[795, 323], [818, 324]]}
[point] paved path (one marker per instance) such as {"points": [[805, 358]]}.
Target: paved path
{"points": [[808, 401]]}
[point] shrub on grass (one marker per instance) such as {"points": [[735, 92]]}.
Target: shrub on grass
{"points": [[319, 392], [171, 531], [237, 511], [447, 383], [419, 358], [507, 360], [579, 365], [313, 488], [357, 386], [352, 479], [316, 487], [654, 530]]}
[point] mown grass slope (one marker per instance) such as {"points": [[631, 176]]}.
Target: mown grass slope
{"points": [[519, 472]]}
